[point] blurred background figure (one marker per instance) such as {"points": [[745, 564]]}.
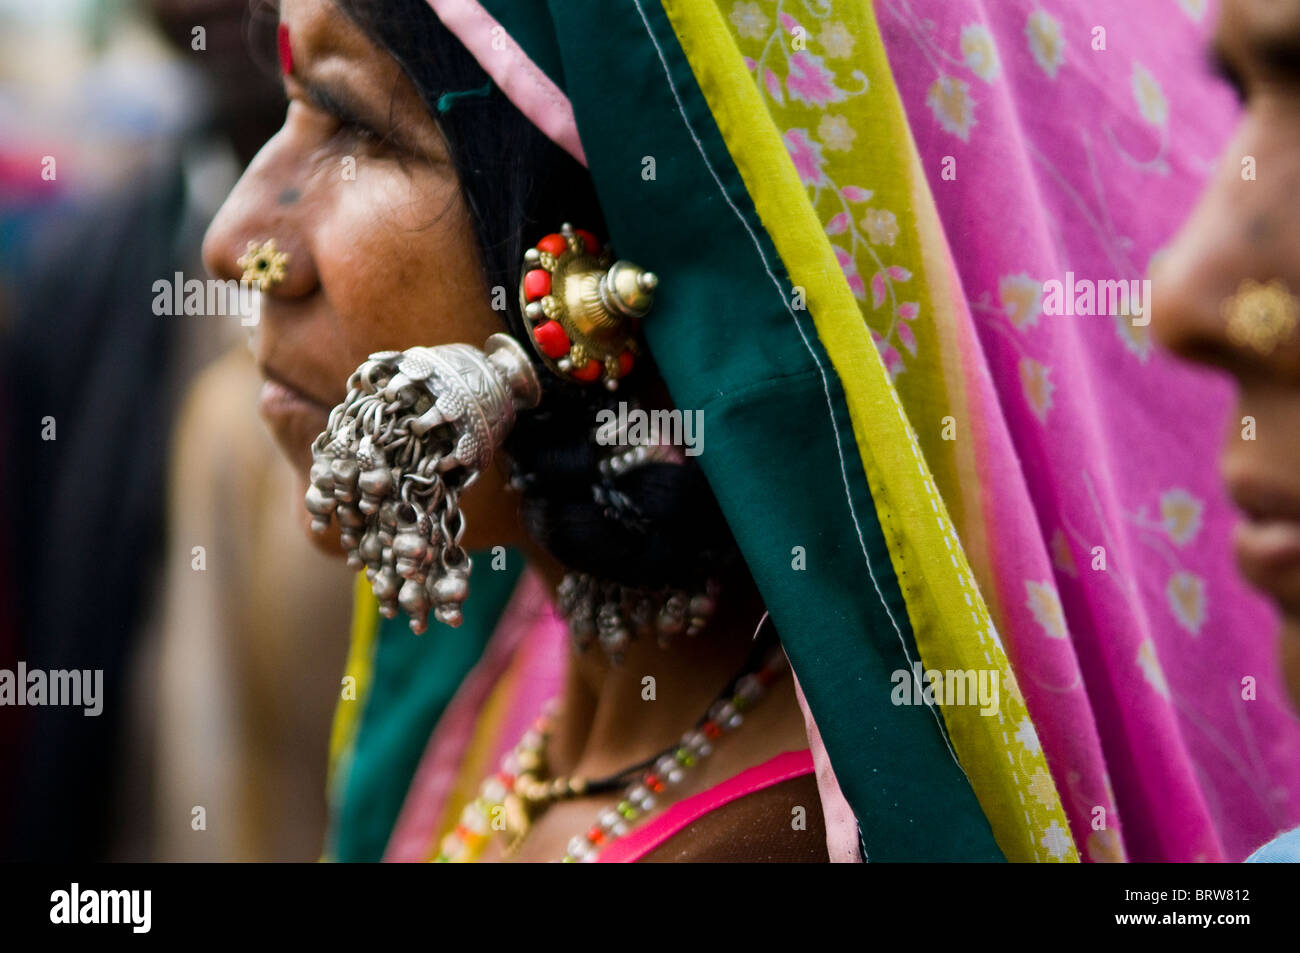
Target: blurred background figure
{"points": [[125, 125]]}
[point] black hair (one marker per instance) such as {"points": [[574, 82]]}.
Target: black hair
{"points": [[655, 525]]}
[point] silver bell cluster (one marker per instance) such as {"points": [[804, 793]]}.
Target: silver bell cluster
{"points": [[414, 432], [612, 614]]}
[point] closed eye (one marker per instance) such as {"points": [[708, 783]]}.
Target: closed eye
{"points": [[360, 131], [351, 119]]}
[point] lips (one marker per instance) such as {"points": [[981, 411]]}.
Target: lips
{"points": [[279, 397], [1267, 541], [295, 417], [1273, 543]]}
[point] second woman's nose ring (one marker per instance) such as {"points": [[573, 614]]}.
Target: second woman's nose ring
{"points": [[1260, 316]]}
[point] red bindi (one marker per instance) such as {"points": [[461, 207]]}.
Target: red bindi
{"points": [[286, 52]]}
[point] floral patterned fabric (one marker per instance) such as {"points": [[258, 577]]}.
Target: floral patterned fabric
{"points": [[996, 746], [1057, 147]]}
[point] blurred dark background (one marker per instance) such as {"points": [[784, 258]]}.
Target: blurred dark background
{"points": [[123, 125]]}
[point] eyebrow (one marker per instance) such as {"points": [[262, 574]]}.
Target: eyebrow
{"points": [[336, 101], [1275, 57], [1280, 54]]}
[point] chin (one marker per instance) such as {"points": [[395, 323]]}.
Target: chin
{"points": [[1291, 658]]}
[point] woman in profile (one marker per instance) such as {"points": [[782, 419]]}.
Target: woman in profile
{"points": [[486, 226], [1226, 297]]}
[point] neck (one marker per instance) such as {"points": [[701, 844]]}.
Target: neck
{"points": [[613, 716]]}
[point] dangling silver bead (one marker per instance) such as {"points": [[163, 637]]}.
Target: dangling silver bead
{"points": [[409, 551], [322, 475], [641, 616], [582, 627], [320, 503], [702, 606], [614, 642], [616, 614], [350, 517], [371, 549], [452, 588], [376, 483], [437, 415], [345, 479], [672, 617], [449, 615], [415, 603], [386, 584], [566, 596]]}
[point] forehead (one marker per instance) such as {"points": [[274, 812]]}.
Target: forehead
{"points": [[319, 29]]}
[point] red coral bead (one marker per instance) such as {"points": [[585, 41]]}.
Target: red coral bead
{"points": [[590, 240], [596, 836], [537, 284], [550, 337], [589, 371], [625, 362], [554, 244]]}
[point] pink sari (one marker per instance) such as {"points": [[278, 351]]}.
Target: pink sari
{"points": [[1063, 138], [1062, 143]]}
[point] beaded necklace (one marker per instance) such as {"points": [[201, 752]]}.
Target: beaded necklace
{"points": [[509, 801]]}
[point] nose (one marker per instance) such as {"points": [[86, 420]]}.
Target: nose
{"points": [[1193, 276], [267, 203], [1230, 236]]}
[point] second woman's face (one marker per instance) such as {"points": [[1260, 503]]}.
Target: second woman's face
{"points": [[1225, 294], [358, 189]]}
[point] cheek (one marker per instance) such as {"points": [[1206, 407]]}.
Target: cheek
{"points": [[1274, 452], [398, 265]]}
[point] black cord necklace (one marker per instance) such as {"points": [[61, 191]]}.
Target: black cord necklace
{"points": [[538, 794]]}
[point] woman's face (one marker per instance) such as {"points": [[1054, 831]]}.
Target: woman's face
{"points": [[1247, 227], [359, 189]]}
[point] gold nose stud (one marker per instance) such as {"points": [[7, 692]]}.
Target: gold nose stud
{"points": [[264, 264], [1261, 316]]}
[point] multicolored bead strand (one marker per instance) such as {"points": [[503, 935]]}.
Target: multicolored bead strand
{"points": [[507, 798], [724, 717]]}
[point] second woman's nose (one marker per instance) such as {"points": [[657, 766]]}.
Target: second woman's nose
{"points": [[1234, 233]]}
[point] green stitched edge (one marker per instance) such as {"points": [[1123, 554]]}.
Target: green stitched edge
{"points": [[726, 343], [414, 677]]}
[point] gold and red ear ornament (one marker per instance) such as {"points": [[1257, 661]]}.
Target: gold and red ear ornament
{"points": [[584, 309], [1261, 316]]}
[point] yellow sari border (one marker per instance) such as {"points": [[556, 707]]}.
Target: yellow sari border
{"points": [[950, 620], [355, 688]]}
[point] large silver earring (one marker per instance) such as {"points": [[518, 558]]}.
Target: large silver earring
{"points": [[414, 432]]}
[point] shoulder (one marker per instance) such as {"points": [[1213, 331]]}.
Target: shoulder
{"points": [[1283, 849], [781, 823]]}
